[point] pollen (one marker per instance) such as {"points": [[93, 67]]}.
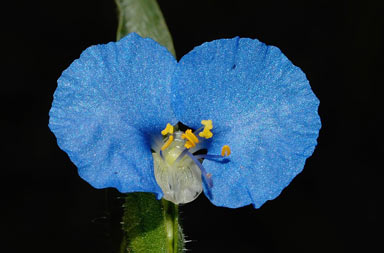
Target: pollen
{"points": [[168, 142], [167, 130], [206, 133], [191, 139], [188, 145], [225, 150]]}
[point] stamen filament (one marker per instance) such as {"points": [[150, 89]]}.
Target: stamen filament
{"points": [[206, 177], [182, 154], [198, 130], [225, 151], [208, 156]]}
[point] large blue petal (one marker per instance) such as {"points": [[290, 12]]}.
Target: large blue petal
{"points": [[261, 105], [106, 106]]}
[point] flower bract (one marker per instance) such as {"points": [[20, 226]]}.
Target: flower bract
{"points": [[115, 107]]}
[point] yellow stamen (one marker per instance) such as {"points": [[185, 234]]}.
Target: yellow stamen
{"points": [[167, 143], [192, 135], [188, 145], [207, 124], [167, 130], [225, 150], [191, 139], [206, 133]]}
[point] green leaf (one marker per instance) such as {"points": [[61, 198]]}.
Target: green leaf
{"points": [[143, 17], [143, 224]]}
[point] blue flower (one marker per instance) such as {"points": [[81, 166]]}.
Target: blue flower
{"points": [[112, 103]]}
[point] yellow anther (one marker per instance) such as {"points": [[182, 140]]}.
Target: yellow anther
{"points": [[167, 130], [207, 124], [192, 136], [167, 143], [188, 145], [206, 133], [191, 139], [225, 150]]}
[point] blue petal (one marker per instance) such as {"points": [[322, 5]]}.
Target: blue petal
{"points": [[106, 106], [261, 105]]}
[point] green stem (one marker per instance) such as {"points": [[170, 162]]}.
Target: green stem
{"points": [[171, 220], [150, 225]]}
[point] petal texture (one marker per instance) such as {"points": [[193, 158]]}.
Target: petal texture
{"points": [[261, 105], [106, 106]]}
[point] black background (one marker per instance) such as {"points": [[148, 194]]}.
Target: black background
{"points": [[330, 207]]}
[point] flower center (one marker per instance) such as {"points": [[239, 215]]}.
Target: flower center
{"points": [[178, 171]]}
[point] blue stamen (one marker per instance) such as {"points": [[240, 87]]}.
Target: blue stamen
{"points": [[206, 178], [182, 154], [198, 130], [208, 156]]}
